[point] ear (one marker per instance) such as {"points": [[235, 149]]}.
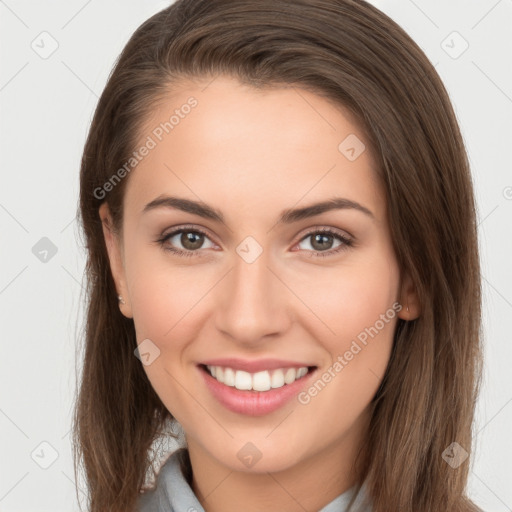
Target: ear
{"points": [[409, 300], [115, 255]]}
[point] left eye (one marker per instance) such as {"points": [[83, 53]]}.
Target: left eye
{"points": [[322, 244]]}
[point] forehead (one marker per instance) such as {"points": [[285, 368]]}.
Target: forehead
{"points": [[243, 148]]}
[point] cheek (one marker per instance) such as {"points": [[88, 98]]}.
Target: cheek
{"points": [[352, 296], [344, 299], [165, 303], [360, 310], [161, 292], [356, 340]]}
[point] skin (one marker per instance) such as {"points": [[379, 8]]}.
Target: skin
{"points": [[251, 154]]}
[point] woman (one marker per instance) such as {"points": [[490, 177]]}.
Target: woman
{"points": [[283, 262]]}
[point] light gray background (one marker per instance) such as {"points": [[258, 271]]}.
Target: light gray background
{"points": [[46, 108]]}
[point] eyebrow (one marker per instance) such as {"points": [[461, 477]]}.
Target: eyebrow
{"points": [[287, 216]]}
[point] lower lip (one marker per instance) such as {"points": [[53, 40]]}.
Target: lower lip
{"points": [[254, 403]]}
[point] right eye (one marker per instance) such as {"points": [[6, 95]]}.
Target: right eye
{"points": [[190, 239]]}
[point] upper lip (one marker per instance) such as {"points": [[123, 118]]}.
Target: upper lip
{"points": [[255, 365]]}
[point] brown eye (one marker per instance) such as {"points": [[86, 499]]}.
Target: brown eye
{"points": [[322, 242], [191, 240], [184, 242]]}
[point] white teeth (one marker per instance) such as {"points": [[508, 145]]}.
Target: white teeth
{"points": [[290, 375], [260, 381], [229, 377], [277, 379], [243, 380], [302, 371]]}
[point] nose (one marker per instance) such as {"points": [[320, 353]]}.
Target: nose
{"points": [[252, 303]]}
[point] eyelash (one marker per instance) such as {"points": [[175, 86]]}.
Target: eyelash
{"points": [[346, 242]]}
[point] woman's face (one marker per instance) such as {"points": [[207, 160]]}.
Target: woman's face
{"points": [[262, 284]]}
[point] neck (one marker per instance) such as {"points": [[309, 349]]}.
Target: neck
{"points": [[309, 484]]}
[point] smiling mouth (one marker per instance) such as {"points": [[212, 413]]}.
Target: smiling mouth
{"points": [[259, 381]]}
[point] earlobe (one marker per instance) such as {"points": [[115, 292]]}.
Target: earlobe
{"points": [[113, 246], [409, 300]]}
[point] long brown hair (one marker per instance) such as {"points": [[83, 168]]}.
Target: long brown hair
{"points": [[356, 56]]}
